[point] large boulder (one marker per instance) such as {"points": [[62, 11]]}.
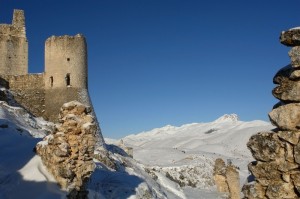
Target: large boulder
{"points": [[286, 117]]}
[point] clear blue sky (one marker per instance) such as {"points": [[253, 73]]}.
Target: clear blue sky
{"points": [[159, 62]]}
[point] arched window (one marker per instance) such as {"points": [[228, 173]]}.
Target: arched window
{"points": [[51, 81], [68, 79]]}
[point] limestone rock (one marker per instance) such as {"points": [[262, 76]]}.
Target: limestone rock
{"points": [[280, 189], [295, 75], [220, 167], [254, 191], [286, 117], [219, 176], [283, 73], [233, 181], [221, 184], [68, 152], [289, 136], [265, 172], [290, 37], [227, 179], [297, 153], [264, 146], [294, 54], [288, 90]]}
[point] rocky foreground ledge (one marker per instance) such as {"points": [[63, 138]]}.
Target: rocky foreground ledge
{"points": [[68, 151]]}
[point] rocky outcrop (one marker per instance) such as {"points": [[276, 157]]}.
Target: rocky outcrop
{"points": [[227, 179], [68, 151], [277, 153]]}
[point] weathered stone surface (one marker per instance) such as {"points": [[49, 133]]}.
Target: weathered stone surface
{"points": [[286, 166], [290, 136], [289, 152], [290, 37], [286, 117], [233, 182], [288, 84], [276, 172], [280, 189], [294, 54], [287, 90], [220, 166], [297, 153], [68, 152], [286, 177], [264, 146], [296, 178], [221, 184], [265, 172], [283, 73], [254, 191], [295, 75], [219, 176]]}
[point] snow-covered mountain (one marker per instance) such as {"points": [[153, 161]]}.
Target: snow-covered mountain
{"points": [[169, 162], [187, 153]]}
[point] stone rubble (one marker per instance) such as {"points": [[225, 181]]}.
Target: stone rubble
{"points": [[277, 153], [68, 151]]}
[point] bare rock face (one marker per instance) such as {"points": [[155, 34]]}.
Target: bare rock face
{"points": [[227, 179], [280, 189], [254, 191], [289, 136], [68, 152], [290, 37], [288, 90], [264, 146], [277, 153], [294, 54], [286, 117]]}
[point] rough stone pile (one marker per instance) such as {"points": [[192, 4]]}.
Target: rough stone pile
{"points": [[68, 152], [277, 169], [227, 179]]}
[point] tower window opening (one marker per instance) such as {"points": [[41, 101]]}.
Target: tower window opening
{"points": [[68, 79], [51, 81], [68, 59]]}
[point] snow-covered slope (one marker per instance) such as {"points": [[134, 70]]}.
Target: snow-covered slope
{"points": [[169, 162], [187, 153], [22, 174]]}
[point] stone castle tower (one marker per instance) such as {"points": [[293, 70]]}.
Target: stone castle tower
{"points": [[65, 72], [14, 46], [64, 79]]}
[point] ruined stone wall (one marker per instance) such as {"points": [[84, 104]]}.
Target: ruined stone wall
{"points": [[277, 153], [14, 46], [28, 91]]}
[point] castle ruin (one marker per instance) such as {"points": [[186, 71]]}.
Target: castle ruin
{"points": [[64, 78]]}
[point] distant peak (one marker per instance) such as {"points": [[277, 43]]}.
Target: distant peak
{"points": [[228, 118]]}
